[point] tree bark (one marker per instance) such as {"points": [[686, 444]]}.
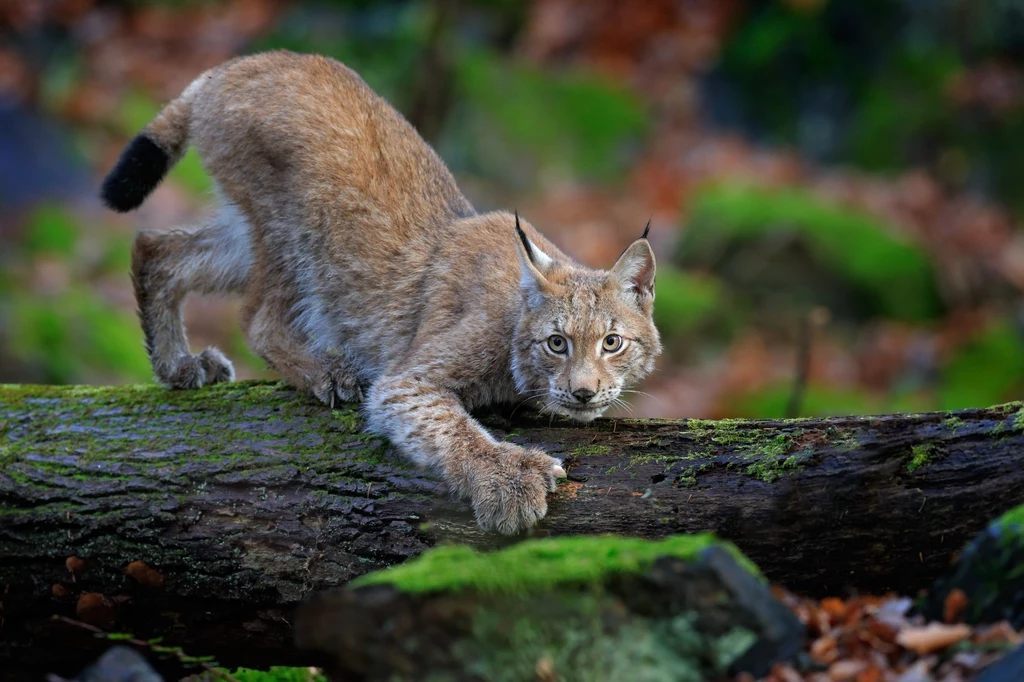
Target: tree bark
{"points": [[243, 498]]}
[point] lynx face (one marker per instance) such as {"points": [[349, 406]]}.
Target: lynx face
{"points": [[584, 335]]}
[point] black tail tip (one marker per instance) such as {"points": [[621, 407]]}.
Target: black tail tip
{"points": [[137, 173]]}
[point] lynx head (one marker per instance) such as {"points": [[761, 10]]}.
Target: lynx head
{"points": [[583, 334]]}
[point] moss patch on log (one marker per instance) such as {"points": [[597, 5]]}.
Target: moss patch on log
{"points": [[540, 564], [86, 432], [769, 452], [920, 455]]}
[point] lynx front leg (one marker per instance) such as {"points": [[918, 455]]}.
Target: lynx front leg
{"points": [[507, 484]]}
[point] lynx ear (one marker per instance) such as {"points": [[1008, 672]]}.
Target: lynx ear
{"points": [[535, 265], [635, 272]]}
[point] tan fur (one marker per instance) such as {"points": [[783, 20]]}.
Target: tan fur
{"points": [[366, 272]]}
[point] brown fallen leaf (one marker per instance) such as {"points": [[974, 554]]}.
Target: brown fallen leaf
{"points": [[998, 633], [931, 637], [872, 674], [846, 670], [835, 608], [823, 650]]}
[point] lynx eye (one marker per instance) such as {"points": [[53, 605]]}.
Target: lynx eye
{"points": [[557, 343], [612, 343]]}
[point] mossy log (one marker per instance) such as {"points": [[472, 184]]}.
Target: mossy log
{"points": [[240, 499]]}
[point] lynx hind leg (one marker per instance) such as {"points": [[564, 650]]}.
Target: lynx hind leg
{"points": [[329, 376], [166, 267]]}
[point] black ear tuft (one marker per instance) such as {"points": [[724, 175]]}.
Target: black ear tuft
{"points": [[138, 171], [646, 229], [524, 240]]}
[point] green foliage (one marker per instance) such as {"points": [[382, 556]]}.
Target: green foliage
{"points": [[874, 86], [818, 401], [383, 46], [893, 274], [988, 370], [575, 123], [75, 335], [116, 258], [504, 115], [685, 301], [190, 174], [52, 231], [906, 102], [136, 111], [538, 564]]}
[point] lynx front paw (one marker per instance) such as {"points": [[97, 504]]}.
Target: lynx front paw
{"points": [[510, 491], [337, 386], [193, 371]]}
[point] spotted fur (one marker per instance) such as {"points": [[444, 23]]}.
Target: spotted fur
{"points": [[366, 274]]}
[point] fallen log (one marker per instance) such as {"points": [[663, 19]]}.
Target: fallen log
{"points": [[205, 516]]}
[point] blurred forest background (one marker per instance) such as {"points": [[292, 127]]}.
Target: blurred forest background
{"points": [[835, 185]]}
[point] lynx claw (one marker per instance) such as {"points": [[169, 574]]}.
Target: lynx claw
{"points": [[338, 387], [195, 371], [216, 367]]}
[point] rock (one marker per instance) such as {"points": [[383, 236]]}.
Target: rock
{"points": [[988, 574], [120, 664], [1009, 668], [585, 608]]}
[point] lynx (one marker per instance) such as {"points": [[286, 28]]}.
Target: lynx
{"points": [[367, 275]]}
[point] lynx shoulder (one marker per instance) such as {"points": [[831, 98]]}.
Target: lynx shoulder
{"points": [[366, 275]]}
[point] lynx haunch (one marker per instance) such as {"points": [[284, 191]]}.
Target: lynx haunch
{"points": [[367, 275]]}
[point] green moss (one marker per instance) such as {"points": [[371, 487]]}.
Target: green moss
{"points": [[1017, 422], [275, 674], [538, 564], [772, 459], [586, 637], [768, 451], [584, 450], [1014, 517], [920, 455], [954, 423], [60, 449]]}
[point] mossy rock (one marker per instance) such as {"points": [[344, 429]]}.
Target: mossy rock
{"points": [[990, 573], [587, 609]]}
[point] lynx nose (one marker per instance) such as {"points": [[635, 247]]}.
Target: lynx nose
{"points": [[583, 394]]}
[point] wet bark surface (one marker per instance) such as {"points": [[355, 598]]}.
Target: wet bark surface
{"points": [[242, 499]]}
